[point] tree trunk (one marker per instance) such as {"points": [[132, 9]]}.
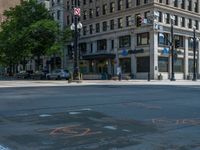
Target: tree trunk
{"points": [[24, 64], [38, 62]]}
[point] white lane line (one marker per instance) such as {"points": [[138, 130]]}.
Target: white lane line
{"points": [[4, 148]]}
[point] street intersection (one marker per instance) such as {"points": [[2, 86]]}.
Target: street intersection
{"points": [[99, 115]]}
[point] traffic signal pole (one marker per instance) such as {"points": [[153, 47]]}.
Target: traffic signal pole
{"points": [[172, 49], [194, 55]]}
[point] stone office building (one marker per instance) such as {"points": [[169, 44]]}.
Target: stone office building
{"points": [[111, 38]]}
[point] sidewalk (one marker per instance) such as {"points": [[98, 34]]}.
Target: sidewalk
{"points": [[47, 83]]}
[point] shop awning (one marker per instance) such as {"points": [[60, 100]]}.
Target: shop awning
{"points": [[98, 56]]}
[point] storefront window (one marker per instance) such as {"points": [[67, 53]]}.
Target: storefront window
{"points": [[190, 65], [125, 64], [163, 39], [178, 65], [163, 64], [143, 64]]}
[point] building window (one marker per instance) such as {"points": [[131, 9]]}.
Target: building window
{"points": [[181, 40], [183, 4], [97, 11], [112, 45], [91, 29], [120, 23], [128, 21], [104, 9], [128, 3], [125, 64], [68, 20], [163, 64], [84, 2], [119, 4], [101, 44], [91, 13], [68, 6], [167, 2], [190, 5], [91, 47], [190, 23], [143, 64], [83, 47], [163, 40], [182, 21], [104, 26], [112, 7], [167, 17], [146, 1], [197, 24], [190, 65], [146, 14], [112, 24], [84, 30], [58, 15], [175, 3], [196, 6], [176, 20], [124, 41], [178, 65], [143, 38], [97, 28], [85, 15], [137, 2], [160, 18]]}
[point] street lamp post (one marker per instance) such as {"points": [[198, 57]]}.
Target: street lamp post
{"points": [[172, 48], [76, 26], [194, 54]]}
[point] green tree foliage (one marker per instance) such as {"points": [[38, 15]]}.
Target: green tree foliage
{"points": [[28, 31]]}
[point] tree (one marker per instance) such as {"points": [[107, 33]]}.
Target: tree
{"points": [[28, 31], [42, 36]]}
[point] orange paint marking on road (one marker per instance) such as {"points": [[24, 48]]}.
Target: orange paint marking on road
{"points": [[73, 131]]}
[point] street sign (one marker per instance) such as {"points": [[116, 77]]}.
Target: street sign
{"points": [[77, 11], [124, 52], [165, 51]]}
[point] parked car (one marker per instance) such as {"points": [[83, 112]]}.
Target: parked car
{"points": [[59, 74], [23, 75], [39, 75]]}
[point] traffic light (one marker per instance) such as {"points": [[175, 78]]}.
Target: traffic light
{"points": [[138, 21], [177, 43]]}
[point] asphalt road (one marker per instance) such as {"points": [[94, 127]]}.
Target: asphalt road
{"points": [[103, 117]]}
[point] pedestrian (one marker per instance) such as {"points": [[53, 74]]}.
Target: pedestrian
{"points": [[119, 73]]}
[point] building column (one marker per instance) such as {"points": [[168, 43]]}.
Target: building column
{"points": [[133, 57], [186, 58], [153, 54]]}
